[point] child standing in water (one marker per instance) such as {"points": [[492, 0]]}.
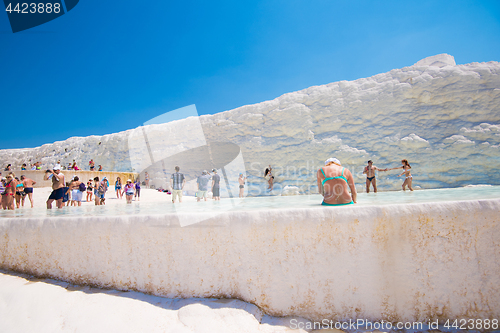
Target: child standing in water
{"points": [[66, 195], [89, 190], [138, 189]]}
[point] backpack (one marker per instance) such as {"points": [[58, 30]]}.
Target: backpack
{"points": [[82, 187], [101, 188]]}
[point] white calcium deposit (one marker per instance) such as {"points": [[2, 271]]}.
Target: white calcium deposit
{"points": [[411, 262], [48, 306], [444, 118]]}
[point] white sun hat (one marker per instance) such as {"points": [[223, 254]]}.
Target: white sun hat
{"points": [[334, 160]]}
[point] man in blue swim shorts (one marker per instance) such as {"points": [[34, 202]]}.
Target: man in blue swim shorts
{"points": [[57, 187]]}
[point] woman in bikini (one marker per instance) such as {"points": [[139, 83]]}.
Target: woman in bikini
{"points": [[268, 175], [334, 182], [89, 190], [8, 195], [406, 171], [20, 195]]}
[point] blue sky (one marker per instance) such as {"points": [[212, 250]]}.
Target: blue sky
{"points": [[109, 66]]}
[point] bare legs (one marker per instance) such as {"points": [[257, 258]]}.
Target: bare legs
{"points": [[30, 196], [59, 203], [8, 202], [407, 182], [373, 182]]}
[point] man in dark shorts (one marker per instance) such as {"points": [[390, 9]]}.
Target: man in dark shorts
{"points": [[241, 181], [215, 185], [370, 176], [57, 187], [28, 187]]}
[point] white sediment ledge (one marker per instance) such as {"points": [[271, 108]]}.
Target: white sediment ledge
{"points": [[410, 262]]}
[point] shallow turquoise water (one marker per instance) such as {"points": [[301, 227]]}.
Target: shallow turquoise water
{"points": [[261, 203]]}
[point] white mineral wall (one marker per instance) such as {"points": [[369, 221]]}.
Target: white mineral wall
{"points": [[436, 117], [398, 262], [436, 114]]}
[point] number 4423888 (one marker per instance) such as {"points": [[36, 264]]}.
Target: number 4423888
{"points": [[472, 324], [33, 8]]}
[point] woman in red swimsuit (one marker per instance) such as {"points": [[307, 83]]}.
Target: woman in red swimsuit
{"points": [[8, 195]]}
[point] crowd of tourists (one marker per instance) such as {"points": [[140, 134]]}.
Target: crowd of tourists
{"points": [[71, 193], [14, 190], [37, 166], [335, 183]]}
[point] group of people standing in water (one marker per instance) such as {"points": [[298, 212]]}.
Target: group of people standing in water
{"points": [[370, 175], [130, 189], [14, 190], [334, 181], [71, 193]]}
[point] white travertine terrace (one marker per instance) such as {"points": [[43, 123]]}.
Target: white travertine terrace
{"points": [[410, 262]]}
